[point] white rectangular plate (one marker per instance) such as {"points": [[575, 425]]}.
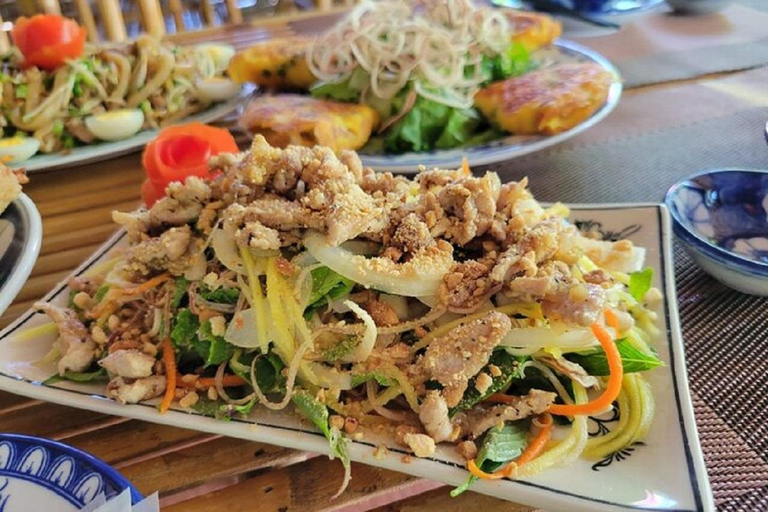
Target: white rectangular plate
{"points": [[665, 473]]}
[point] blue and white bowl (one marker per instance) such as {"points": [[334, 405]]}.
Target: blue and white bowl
{"points": [[39, 475], [722, 219]]}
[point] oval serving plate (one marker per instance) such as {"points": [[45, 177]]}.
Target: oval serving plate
{"points": [[21, 233], [106, 150], [40, 475], [511, 146]]}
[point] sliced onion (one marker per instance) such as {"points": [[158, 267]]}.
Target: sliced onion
{"points": [[433, 315], [331, 378], [241, 331], [364, 349], [418, 277], [226, 251], [557, 336], [398, 304]]}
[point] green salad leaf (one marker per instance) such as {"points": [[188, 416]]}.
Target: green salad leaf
{"points": [[268, 370], [640, 283], [219, 295], [513, 61], [632, 358], [460, 127], [341, 349], [327, 285], [179, 292], [501, 444], [192, 338], [317, 413], [348, 89], [510, 368], [94, 376]]}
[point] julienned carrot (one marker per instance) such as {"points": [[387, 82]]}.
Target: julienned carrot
{"points": [[169, 360], [501, 398], [228, 381], [613, 388], [479, 473], [538, 444], [611, 320], [146, 285], [531, 452], [465, 167]]}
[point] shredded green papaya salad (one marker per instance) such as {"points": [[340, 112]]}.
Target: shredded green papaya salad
{"points": [[450, 310]]}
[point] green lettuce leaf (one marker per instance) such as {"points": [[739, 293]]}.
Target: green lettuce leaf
{"points": [[327, 285], [348, 89], [317, 413], [633, 359], [220, 295], [514, 61], [461, 126], [501, 444], [94, 376], [640, 283]]}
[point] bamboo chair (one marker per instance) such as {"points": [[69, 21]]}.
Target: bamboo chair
{"points": [[151, 16]]}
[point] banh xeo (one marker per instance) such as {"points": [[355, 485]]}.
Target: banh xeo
{"points": [[417, 73], [55, 97], [447, 308]]}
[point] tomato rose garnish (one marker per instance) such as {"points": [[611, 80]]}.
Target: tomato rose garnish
{"points": [[47, 40], [179, 152]]}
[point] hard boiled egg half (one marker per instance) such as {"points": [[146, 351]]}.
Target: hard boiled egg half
{"points": [[221, 54], [217, 89], [116, 124], [17, 148]]}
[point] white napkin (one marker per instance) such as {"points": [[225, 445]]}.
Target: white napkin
{"points": [[122, 503]]}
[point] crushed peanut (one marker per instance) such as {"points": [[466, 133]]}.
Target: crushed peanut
{"points": [[189, 399]]}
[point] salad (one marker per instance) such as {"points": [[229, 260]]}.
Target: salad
{"points": [[447, 308]]}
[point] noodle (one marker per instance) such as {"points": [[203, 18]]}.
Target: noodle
{"points": [[431, 43]]}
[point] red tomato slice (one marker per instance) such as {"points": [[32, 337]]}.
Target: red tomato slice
{"points": [[151, 193], [48, 40]]}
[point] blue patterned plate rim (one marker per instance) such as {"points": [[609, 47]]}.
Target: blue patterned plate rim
{"points": [[93, 463], [719, 254]]}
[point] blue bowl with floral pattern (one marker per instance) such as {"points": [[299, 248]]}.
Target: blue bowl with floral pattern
{"points": [[721, 217]]}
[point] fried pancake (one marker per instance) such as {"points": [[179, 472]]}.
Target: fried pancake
{"points": [[546, 101], [277, 64], [533, 29], [305, 121]]}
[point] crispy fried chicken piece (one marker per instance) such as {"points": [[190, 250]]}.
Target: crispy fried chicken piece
{"points": [[182, 204], [75, 343], [482, 417], [433, 414], [131, 364], [456, 357], [129, 391], [172, 251], [412, 235], [470, 205]]}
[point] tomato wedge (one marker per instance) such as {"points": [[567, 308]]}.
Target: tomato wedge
{"points": [[47, 40], [179, 152]]}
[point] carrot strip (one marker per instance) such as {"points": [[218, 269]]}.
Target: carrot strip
{"points": [[228, 381], [146, 285], [169, 360], [479, 473], [538, 444], [531, 452], [613, 388], [500, 398], [611, 320]]}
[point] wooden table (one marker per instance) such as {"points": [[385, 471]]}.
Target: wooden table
{"points": [[193, 471]]}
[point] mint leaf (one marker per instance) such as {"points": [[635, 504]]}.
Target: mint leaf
{"points": [[179, 292], [219, 350], [327, 285], [501, 444], [98, 375], [220, 295], [640, 283], [510, 369], [317, 413], [632, 359]]}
